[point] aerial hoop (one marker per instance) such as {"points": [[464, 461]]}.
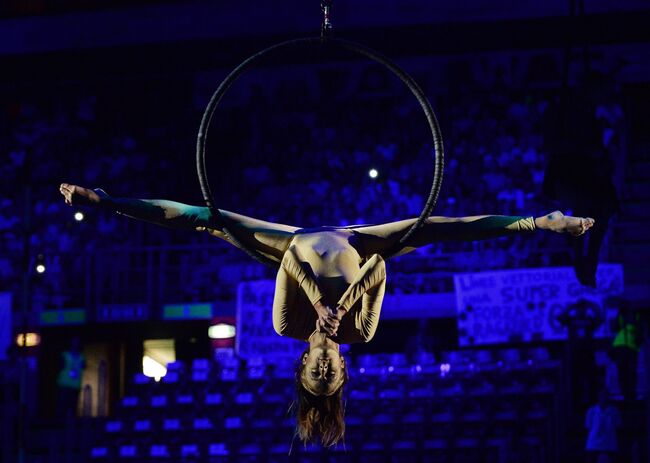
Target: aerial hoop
{"points": [[318, 41]]}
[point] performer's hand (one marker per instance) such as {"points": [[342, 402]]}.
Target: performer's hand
{"points": [[328, 319], [328, 324], [558, 222], [76, 195]]}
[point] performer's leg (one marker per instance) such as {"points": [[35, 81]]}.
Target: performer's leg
{"points": [[381, 239], [369, 284], [269, 238]]}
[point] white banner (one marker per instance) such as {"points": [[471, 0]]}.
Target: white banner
{"points": [[5, 324], [523, 305], [255, 334]]}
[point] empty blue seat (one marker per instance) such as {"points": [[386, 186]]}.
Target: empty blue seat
{"points": [[422, 393], [227, 358], [177, 367], [100, 452], [413, 418], [215, 398], [244, 398], [158, 451], [484, 356], [425, 358], [190, 450], [256, 372], [367, 360], [113, 426], [442, 417], [362, 395], [128, 451], [233, 422], [391, 394], [279, 448], [373, 446], [201, 364], [250, 449], [467, 442], [262, 423], [354, 420], [284, 369], [202, 424], [141, 379], [171, 424], [402, 445], [513, 388], [435, 444], [142, 425], [229, 374], [200, 376], [397, 360], [255, 368], [218, 449], [172, 377], [129, 401], [511, 355], [538, 353], [454, 389], [382, 419], [274, 399], [184, 399], [158, 401]]}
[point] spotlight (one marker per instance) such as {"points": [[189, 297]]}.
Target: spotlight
{"points": [[28, 339], [221, 331], [40, 264], [372, 173], [78, 216]]}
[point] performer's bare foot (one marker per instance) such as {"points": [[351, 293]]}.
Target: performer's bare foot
{"points": [[558, 222], [79, 196]]}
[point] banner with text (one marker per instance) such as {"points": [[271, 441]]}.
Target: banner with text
{"points": [[255, 334], [524, 305]]}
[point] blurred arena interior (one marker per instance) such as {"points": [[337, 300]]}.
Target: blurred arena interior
{"points": [[490, 351]]}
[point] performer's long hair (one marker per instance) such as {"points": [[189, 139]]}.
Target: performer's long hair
{"points": [[319, 417]]}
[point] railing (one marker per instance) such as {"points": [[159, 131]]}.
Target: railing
{"points": [[156, 275]]}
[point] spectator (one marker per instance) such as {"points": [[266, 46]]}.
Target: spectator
{"points": [[602, 423], [625, 348], [69, 379]]}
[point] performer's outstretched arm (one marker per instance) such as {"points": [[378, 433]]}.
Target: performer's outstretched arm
{"points": [[268, 238], [381, 239]]}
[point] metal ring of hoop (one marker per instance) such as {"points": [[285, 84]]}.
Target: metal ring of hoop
{"points": [[346, 45]]}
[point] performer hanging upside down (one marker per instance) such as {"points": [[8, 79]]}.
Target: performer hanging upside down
{"points": [[331, 281]]}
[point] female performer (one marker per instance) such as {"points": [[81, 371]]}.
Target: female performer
{"points": [[331, 281]]}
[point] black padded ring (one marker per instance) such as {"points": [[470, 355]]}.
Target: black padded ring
{"points": [[318, 41]]}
